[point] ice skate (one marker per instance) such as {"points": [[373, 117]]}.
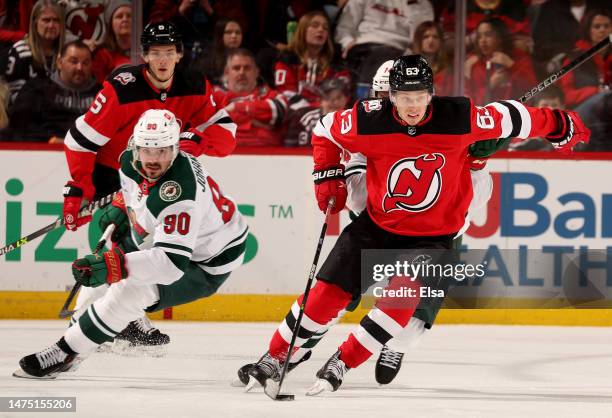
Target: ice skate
{"points": [[243, 372], [387, 365], [48, 363], [140, 337], [329, 377], [267, 368]]}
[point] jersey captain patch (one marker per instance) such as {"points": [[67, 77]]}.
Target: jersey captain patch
{"points": [[414, 184], [170, 191]]}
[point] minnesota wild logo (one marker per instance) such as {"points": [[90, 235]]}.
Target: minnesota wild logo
{"points": [[170, 191]]}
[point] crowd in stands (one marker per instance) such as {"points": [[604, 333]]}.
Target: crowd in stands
{"points": [[278, 66]]}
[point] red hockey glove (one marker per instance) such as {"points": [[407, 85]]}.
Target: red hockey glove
{"points": [[477, 163], [570, 131], [329, 182], [190, 143], [73, 199]]}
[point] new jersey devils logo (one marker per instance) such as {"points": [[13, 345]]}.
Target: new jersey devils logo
{"points": [[87, 22], [414, 184]]}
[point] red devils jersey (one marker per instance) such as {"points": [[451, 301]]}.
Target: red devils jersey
{"points": [[291, 75], [417, 178], [101, 134]]}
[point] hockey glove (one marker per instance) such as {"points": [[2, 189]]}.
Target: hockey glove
{"points": [[73, 199], [190, 143], [95, 270], [570, 131], [486, 148], [329, 182], [115, 214]]}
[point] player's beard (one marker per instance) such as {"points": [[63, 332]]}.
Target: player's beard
{"points": [[156, 168]]}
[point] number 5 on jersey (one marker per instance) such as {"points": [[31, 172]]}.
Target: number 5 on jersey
{"points": [[96, 106]]}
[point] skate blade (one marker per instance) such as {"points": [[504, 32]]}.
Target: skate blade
{"points": [[319, 387], [23, 375], [252, 384]]}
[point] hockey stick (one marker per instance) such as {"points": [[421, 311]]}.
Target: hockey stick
{"points": [[272, 389], [65, 313], [551, 79], [83, 212]]}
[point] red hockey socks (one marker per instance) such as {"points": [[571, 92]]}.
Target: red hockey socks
{"points": [[324, 303], [386, 320]]}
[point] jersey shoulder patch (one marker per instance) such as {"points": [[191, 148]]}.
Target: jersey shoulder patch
{"points": [[125, 74], [130, 85], [375, 116], [179, 183], [371, 105]]}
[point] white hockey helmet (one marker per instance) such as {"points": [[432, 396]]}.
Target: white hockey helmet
{"points": [[156, 128], [380, 82]]}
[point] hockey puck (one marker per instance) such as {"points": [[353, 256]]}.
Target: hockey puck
{"points": [[285, 398]]}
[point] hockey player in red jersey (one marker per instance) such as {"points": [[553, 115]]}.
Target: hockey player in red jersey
{"points": [[97, 138], [419, 189], [94, 142]]}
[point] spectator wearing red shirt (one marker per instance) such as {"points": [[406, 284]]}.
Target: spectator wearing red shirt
{"points": [[257, 109], [116, 48], [308, 60], [497, 71], [427, 42], [595, 75]]}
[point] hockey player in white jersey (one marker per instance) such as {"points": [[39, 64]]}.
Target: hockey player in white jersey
{"points": [[190, 237]]}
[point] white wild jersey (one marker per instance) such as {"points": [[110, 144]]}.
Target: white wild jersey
{"points": [[181, 217]]}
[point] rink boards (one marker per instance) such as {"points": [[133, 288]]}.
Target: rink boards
{"points": [[536, 203]]}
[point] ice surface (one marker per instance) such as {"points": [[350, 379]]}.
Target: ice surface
{"points": [[469, 371]]}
